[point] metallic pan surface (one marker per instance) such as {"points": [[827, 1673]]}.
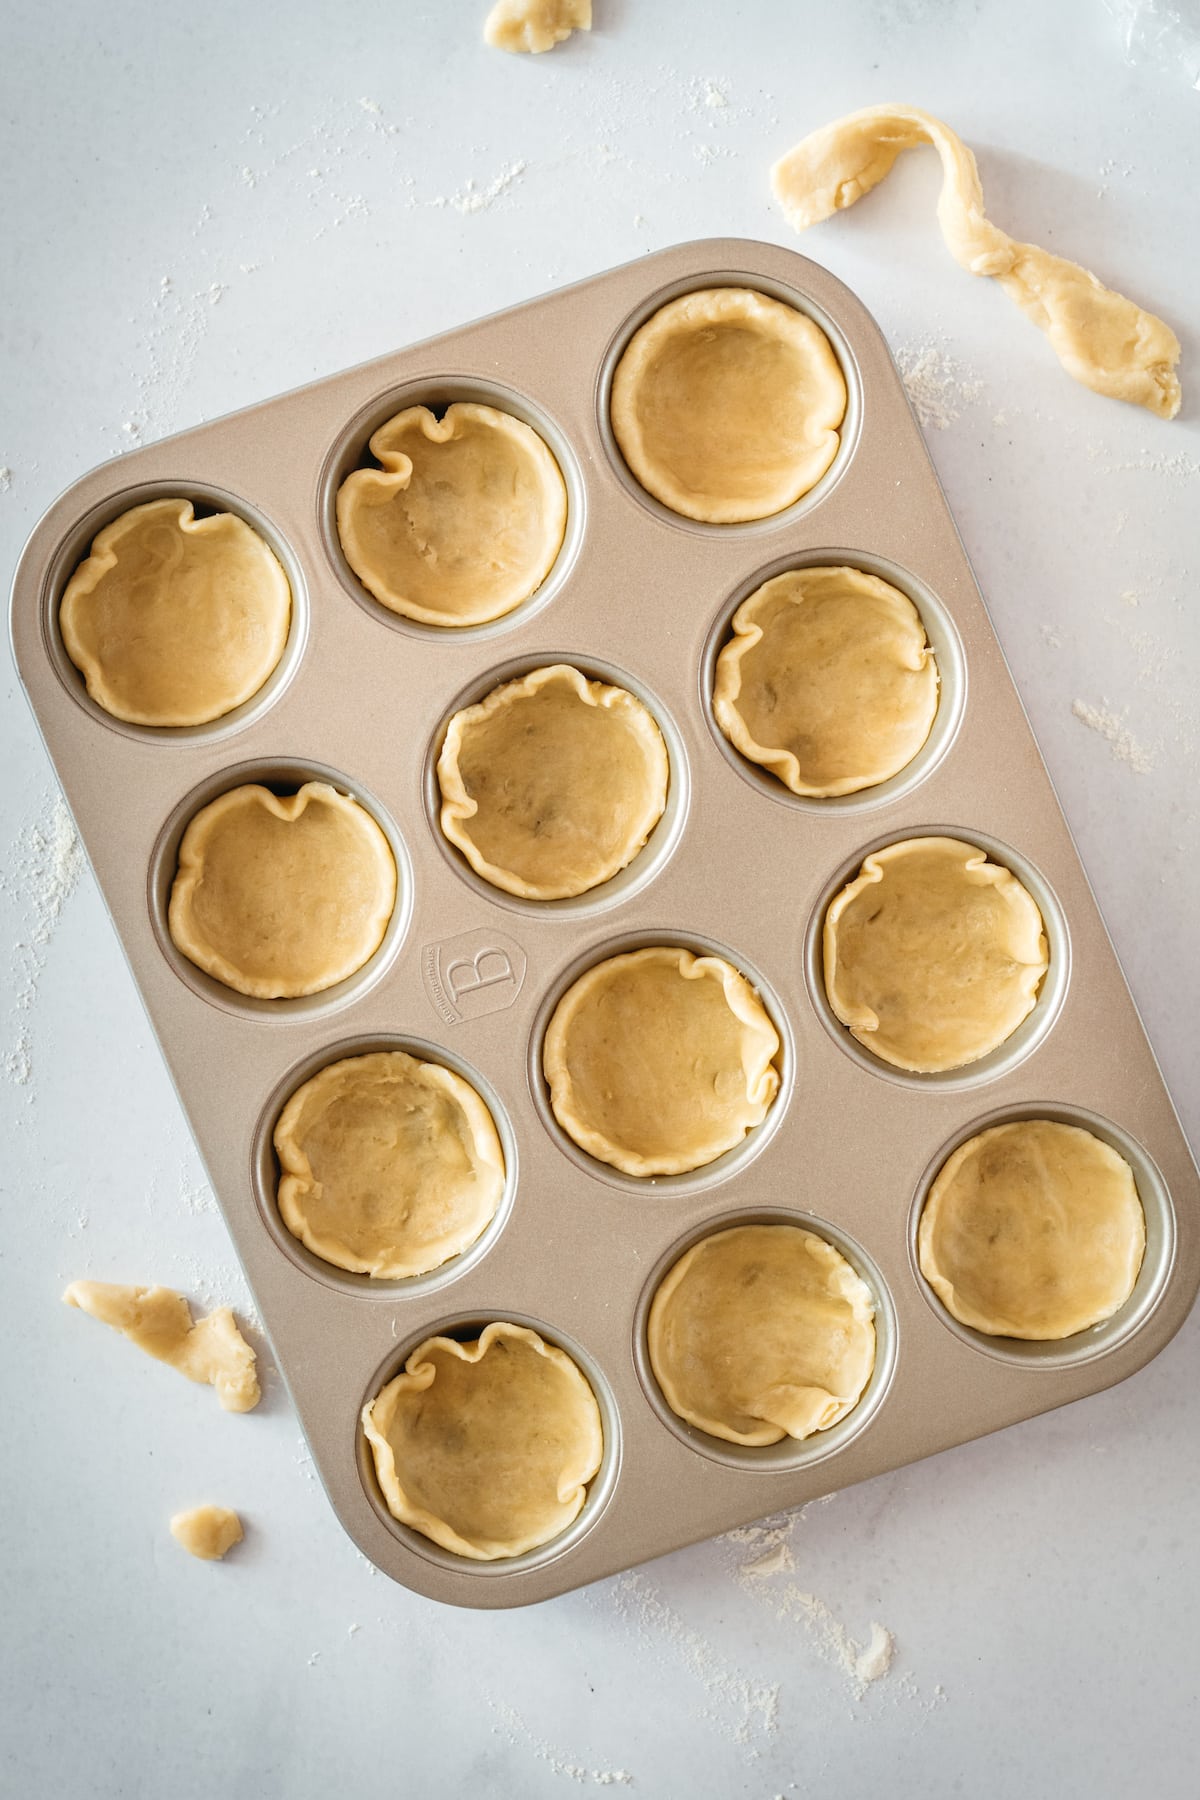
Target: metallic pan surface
{"points": [[469, 973]]}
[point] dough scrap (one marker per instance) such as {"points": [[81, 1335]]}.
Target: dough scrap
{"points": [[486, 1447], [282, 897], [552, 784], [174, 620], [1033, 1230], [933, 955], [535, 25], [828, 680], [726, 405], [1104, 340], [390, 1165], [658, 1061], [207, 1531], [762, 1332], [159, 1321], [463, 521]]}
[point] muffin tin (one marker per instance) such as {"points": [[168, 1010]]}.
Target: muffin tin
{"points": [[469, 975]]}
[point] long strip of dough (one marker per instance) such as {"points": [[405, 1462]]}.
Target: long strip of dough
{"points": [[159, 1321], [1104, 340]]}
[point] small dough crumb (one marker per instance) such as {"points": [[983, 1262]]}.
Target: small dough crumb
{"points": [[531, 26], [159, 1321], [1104, 340], [207, 1531]]}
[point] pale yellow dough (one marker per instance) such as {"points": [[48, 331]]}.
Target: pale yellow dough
{"points": [[535, 25], [282, 897], [827, 681], [1033, 1230], [174, 620], [726, 405], [159, 1321], [207, 1531], [463, 521], [390, 1165], [552, 784], [1104, 340], [658, 1061], [762, 1332], [933, 955], [486, 1447]]}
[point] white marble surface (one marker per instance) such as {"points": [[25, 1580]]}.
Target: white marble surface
{"points": [[202, 208]]}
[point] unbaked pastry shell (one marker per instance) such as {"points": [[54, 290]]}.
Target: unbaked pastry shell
{"points": [[462, 522], [276, 918], [566, 803], [504, 1434], [933, 956], [760, 1333], [408, 1165], [1033, 1230], [609, 1049], [173, 620], [726, 405], [832, 665]]}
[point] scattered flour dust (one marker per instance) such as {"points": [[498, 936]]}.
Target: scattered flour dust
{"points": [[518, 1732], [6, 479], [1112, 728], [40, 874], [744, 1710], [937, 385], [471, 198]]}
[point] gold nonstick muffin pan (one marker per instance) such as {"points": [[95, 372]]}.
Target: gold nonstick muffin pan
{"points": [[737, 866]]}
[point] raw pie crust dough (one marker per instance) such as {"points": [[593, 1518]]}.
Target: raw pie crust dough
{"points": [[390, 1165], [535, 25], [159, 1321], [278, 898], [552, 784], [207, 1531], [726, 405], [828, 680], [933, 955], [486, 1447], [463, 521], [1033, 1230], [1104, 340], [762, 1332], [174, 620], [658, 1061]]}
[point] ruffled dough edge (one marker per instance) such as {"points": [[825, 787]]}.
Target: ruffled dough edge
{"points": [[714, 306], [850, 1287], [394, 475], [860, 1020], [418, 1375], [727, 685], [761, 1045], [944, 1287], [185, 933], [297, 1180], [103, 557], [458, 808]]}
